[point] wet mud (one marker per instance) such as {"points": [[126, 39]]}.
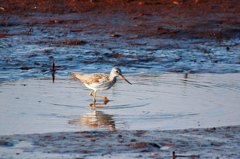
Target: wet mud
{"points": [[220, 142], [140, 36]]}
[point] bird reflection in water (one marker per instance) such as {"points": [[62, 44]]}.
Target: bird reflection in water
{"points": [[95, 119]]}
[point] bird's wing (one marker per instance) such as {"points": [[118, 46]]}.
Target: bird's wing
{"points": [[90, 78]]}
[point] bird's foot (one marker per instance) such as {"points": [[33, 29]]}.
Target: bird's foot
{"points": [[106, 99]]}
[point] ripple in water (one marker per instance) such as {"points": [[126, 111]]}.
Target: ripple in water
{"points": [[154, 101]]}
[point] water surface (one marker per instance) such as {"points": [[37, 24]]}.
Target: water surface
{"points": [[154, 101]]}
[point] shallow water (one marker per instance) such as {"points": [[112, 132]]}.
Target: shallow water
{"points": [[154, 101]]}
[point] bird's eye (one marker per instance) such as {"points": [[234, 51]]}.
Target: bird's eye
{"points": [[117, 71]]}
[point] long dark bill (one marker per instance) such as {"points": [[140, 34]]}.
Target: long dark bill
{"points": [[124, 79]]}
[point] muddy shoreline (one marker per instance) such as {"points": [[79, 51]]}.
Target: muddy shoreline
{"points": [[219, 142], [139, 36], [187, 19]]}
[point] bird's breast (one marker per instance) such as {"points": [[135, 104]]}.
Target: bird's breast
{"points": [[101, 86]]}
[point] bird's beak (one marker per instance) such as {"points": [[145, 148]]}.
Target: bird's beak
{"points": [[124, 79]]}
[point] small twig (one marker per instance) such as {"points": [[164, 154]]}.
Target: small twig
{"points": [[53, 70]]}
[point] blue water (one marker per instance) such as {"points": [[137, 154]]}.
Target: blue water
{"points": [[152, 102]]}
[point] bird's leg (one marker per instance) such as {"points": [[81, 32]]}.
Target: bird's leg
{"points": [[94, 97], [105, 98], [93, 105], [94, 100]]}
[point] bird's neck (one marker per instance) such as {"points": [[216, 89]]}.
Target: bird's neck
{"points": [[113, 78]]}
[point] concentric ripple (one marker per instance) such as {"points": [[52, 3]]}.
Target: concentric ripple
{"points": [[154, 101]]}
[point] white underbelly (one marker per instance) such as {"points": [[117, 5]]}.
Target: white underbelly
{"points": [[100, 87]]}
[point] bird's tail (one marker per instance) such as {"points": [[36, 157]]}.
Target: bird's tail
{"points": [[75, 75]]}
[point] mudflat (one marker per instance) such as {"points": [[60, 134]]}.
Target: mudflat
{"points": [[140, 36]]}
